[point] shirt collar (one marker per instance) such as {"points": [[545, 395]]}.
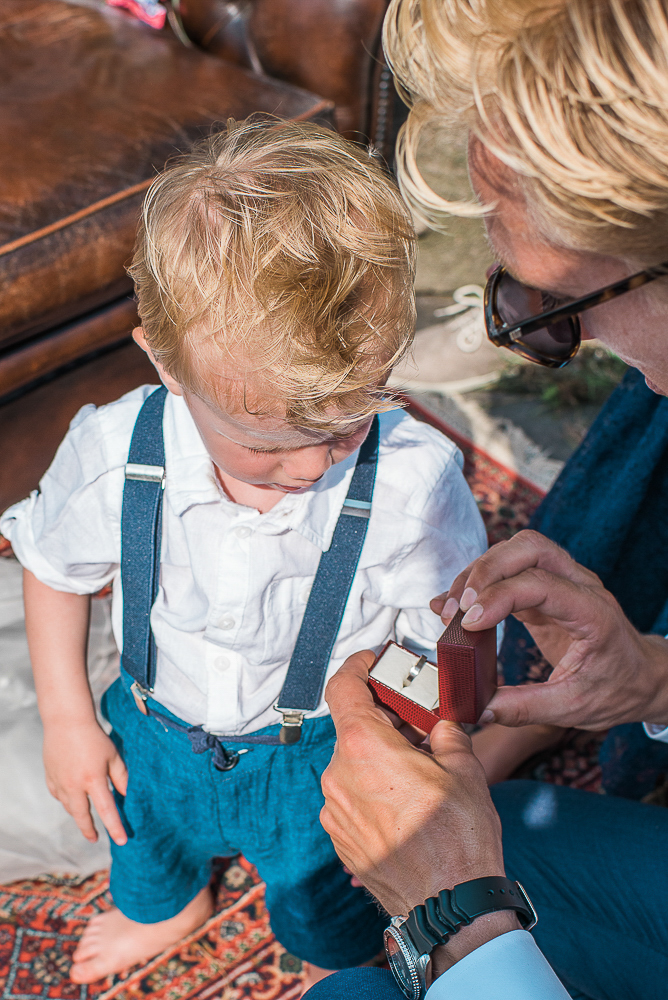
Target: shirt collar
{"points": [[190, 477], [315, 514], [191, 480]]}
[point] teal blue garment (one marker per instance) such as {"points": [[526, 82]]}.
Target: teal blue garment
{"points": [[180, 812], [593, 867], [609, 509], [509, 967], [362, 984]]}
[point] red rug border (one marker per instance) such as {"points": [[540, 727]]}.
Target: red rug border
{"points": [[424, 413]]}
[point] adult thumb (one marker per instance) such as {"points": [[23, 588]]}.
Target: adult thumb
{"points": [[447, 738], [527, 704]]}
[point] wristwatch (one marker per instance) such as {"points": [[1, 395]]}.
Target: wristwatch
{"points": [[409, 941]]}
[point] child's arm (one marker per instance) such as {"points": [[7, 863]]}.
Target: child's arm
{"points": [[501, 749], [78, 756]]}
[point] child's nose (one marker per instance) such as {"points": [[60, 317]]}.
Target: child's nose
{"points": [[308, 464]]}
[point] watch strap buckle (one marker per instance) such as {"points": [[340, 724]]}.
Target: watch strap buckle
{"points": [[534, 916]]}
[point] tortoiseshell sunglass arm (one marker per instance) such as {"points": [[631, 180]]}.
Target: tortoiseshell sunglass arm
{"points": [[502, 334]]}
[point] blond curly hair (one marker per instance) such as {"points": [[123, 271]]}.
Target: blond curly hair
{"points": [[572, 95], [279, 257]]}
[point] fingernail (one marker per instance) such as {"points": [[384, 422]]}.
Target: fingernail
{"points": [[487, 716], [473, 614], [450, 609], [469, 597]]}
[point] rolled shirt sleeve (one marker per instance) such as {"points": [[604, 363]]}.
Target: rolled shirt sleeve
{"points": [[509, 967], [68, 533], [448, 534]]}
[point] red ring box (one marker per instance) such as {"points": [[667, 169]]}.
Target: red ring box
{"points": [[458, 689]]}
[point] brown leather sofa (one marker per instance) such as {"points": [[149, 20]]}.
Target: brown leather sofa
{"points": [[331, 47], [92, 103]]}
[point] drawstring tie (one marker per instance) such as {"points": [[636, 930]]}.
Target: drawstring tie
{"points": [[201, 741]]}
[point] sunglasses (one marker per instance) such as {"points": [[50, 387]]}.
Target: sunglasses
{"points": [[540, 327]]}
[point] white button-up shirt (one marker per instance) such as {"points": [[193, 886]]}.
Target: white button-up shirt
{"points": [[234, 583]]}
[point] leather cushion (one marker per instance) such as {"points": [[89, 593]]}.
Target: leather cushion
{"points": [[92, 103]]}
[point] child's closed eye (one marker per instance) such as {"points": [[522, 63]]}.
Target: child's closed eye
{"points": [[262, 451]]}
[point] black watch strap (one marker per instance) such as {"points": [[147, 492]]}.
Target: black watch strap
{"points": [[434, 921]]}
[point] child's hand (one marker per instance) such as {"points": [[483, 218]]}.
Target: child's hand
{"points": [[79, 760]]}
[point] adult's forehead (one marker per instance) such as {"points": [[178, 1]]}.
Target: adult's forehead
{"points": [[486, 168], [515, 237], [499, 189]]}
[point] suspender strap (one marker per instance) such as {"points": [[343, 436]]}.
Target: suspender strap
{"points": [[303, 685], [141, 529], [141, 536]]}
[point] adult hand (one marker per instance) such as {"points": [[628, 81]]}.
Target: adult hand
{"points": [[408, 822], [605, 672], [405, 821]]}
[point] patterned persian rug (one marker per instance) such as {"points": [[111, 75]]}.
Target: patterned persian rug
{"points": [[505, 499], [234, 955]]}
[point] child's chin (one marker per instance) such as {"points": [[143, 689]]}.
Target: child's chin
{"points": [[289, 489]]}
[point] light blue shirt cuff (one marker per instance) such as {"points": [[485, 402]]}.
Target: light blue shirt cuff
{"points": [[655, 732], [509, 967]]}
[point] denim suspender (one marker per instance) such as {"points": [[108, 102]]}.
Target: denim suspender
{"points": [[141, 533], [141, 536], [327, 601]]}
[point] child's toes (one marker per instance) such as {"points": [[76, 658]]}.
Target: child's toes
{"points": [[87, 971], [89, 943], [85, 950]]}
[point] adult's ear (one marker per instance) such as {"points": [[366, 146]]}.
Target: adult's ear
{"points": [[166, 379]]}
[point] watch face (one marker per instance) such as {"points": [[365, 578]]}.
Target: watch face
{"points": [[401, 965]]}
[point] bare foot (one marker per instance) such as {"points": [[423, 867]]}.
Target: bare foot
{"points": [[112, 942]]}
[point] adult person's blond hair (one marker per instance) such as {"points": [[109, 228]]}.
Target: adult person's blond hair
{"points": [[571, 95]]}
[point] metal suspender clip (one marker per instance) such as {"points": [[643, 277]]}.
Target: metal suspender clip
{"points": [[140, 695], [291, 729], [146, 473]]}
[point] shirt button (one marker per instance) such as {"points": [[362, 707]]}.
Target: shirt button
{"points": [[243, 531], [226, 622], [221, 663]]}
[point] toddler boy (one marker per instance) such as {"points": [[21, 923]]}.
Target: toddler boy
{"points": [[263, 509]]}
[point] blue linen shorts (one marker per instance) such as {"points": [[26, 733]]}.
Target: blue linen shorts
{"points": [[180, 812]]}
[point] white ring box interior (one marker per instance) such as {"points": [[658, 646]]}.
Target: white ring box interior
{"points": [[393, 668]]}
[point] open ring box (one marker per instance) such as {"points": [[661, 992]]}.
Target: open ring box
{"points": [[458, 689]]}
